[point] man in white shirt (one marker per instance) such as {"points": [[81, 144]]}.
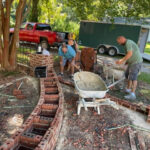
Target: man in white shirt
{"points": [[45, 52]]}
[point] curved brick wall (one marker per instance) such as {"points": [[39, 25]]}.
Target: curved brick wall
{"points": [[41, 130]]}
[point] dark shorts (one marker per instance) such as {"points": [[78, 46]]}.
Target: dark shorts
{"points": [[132, 71]]}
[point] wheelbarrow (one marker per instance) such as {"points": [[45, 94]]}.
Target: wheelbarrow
{"points": [[90, 85]]}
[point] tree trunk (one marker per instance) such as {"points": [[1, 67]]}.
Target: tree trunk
{"points": [[15, 41], [34, 14], [1, 33], [27, 11], [6, 35]]}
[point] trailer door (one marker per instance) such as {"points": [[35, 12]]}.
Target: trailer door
{"points": [[143, 39]]}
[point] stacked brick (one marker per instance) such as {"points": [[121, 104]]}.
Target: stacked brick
{"points": [[148, 118], [88, 58], [37, 60], [142, 109], [18, 94], [77, 58], [41, 130]]}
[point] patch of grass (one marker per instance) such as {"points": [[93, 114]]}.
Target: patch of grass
{"points": [[147, 48], [26, 49], [9, 73], [145, 92], [145, 77], [56, 58], [80, 47]]}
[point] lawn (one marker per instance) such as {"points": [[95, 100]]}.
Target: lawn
{"points": [[147, 48], [145, 77]]}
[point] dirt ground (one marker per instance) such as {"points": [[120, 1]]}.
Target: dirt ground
{"points": [[88, 131], [13, 112]]}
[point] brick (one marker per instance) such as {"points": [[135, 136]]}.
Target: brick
{"points": [[36, 111], [132, 141], [51, 97], [16, 137], [50, 84], [16, 92], [66, 82], [43, 120], [20, 96], [128, 104], [44, 114], [30, 138], [10, 143], [141, 141], [51, 90], [49, 106]]}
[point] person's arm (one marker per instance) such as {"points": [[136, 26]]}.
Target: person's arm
{"points": [[73, 54], [76, 45], [125, 58]]}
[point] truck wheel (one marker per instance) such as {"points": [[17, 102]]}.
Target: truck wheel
{"points": [[44, 44], [112, 51], [101, 49]]}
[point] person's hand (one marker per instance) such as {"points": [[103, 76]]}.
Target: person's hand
{"points": [[76, 45], [119, 62]]}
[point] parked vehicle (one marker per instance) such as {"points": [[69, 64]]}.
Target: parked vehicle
{"points": [[40, 33], [102, 36]]}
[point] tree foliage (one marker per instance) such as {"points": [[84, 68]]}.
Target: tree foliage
{"points": [[98, 9], [63, 15], [57, 15]]}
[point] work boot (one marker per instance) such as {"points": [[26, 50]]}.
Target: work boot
{"points": [[130, 96]]}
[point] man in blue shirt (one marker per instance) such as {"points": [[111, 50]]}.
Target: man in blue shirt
{"points": [[66, 52]]}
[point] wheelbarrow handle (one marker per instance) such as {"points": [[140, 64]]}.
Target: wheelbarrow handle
{"points": [[116, 82]]}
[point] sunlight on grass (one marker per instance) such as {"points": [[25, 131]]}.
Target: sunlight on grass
{"points": [[24, 50], [145, 77], [21, 58], [56, 58], [147, 48], [145, 92]]}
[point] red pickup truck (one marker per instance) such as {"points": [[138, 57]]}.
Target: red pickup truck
{"points": [[40, 33]]}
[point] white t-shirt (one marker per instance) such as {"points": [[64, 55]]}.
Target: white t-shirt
{"points": [[45, 52]]}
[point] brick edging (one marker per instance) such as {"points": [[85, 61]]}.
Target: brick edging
{"points": [[48, 114], [145, 109]]}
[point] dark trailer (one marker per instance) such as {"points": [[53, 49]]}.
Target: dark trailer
{"points": [[102, 36]]}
